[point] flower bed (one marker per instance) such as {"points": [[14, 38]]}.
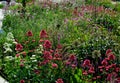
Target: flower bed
{"points": [[61, 43]]}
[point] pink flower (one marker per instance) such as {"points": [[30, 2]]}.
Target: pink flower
{"points": [[67, 63], [43, 34], [29, 33], [111, 57], [21, 65], [22, 81], [98, 77], [111, 76], [47, 44], [56, 55], [59, 46], [91, 70], [73, 65], [59, 81], [47, 55], [19, 47], [108, 67], [54, 65], [72, 57], [104, 62], [100, 67], [37, 71], [86, 63], [17, 55], [108, 51], [118, 80], [84, 73]]}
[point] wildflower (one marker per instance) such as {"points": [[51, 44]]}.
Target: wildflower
{"points": [[98, 77], [56, 55], [91, 70], [111, 57], [104, 62], [47, 55], [21, 65], [67, 63], [72, 57], [36, 71], [47, 44], [111, 76], [10, 37], [29, 33], [118, 80], [17, 55], [73, 65], [54, 65], [19, 47], [59, 46], [43, 34], [108, 51], [59, 81], [8, 50], [84, 73], [22, 81], [86, 63], [117, 69]]}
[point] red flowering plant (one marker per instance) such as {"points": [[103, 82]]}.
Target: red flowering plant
{"points": [[104, 69], [35, 60]]}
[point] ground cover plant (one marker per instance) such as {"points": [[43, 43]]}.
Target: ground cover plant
{"points": [[61, 43]]}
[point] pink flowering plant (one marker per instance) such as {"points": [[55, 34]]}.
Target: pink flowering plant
{"points": [[103, 69], [37, 61]]}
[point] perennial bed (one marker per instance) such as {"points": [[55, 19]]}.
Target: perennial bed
{"points": [[61, 43]]}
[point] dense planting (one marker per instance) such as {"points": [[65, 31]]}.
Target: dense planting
{"points": [[61, 43]]}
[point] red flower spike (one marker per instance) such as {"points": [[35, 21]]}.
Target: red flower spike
{"points": [[22, 81], [84, 73], [108, 51], [118, 80], [29, 33], [117, 69], [59, 81], [91, 70], [86, 63], [72, 58], [19, 47], [43, 34], [101, 70], [104, 62], [47, 55], [54, 65], [111, 57], [59, 46], [47, 44], [21, 65], [73, 65]]}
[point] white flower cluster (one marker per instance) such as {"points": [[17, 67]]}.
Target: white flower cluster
{"points": [[9, 41], [39, 50]]}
